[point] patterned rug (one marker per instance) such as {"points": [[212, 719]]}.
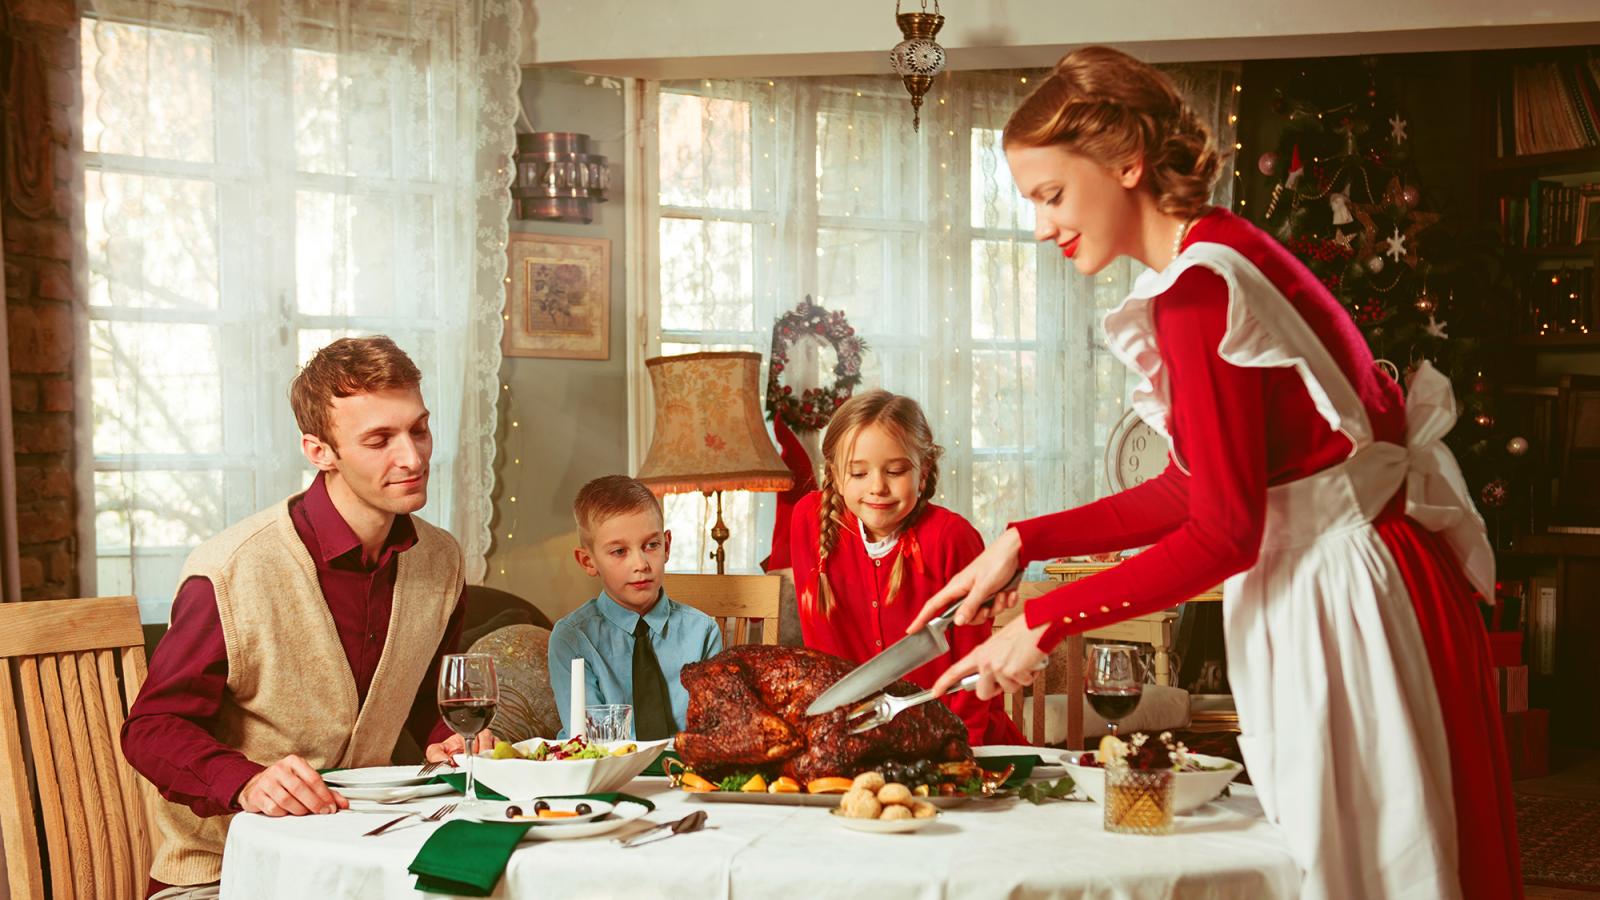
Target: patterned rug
{"points": [[1560, 840]]}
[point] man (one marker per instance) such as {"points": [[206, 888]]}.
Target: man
{"points": [[306, 636]]}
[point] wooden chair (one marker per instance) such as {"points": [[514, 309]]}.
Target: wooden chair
{"points": [[735, 601], [61, 657], [1059, 677]]}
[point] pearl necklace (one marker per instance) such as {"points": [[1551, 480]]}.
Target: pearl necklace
{"points": [[1177, 239]]}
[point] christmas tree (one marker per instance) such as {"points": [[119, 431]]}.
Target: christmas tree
{"points": [[1348, 202]]}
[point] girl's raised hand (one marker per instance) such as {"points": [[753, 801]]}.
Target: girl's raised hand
{"points": [[992, 574]]}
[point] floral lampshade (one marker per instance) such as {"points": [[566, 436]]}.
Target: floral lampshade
{"points": [[709, 433]]}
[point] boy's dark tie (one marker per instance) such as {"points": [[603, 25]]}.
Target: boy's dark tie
{"points": [[652, 708]]}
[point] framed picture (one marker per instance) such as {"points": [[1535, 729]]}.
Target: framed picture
{"points": [[558, 297], [1589, 216]]}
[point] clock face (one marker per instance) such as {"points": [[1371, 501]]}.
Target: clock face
{"points": [[1135, 453]]}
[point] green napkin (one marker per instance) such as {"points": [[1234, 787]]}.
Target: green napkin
{"points": [[655, 768], [468, 858], [458, 780], [1019, 775]]}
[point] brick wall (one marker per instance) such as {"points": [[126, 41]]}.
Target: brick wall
{"points": [[41, 84]]}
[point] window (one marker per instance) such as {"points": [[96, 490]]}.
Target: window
{"points": [[770, 191], [244, 206]]}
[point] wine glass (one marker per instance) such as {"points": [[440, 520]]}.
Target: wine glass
{"points": [[468, 692], [1114, 685]]}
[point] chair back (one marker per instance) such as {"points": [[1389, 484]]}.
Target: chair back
{"points": [[61, 658], [736, 601], [1060, 676]]}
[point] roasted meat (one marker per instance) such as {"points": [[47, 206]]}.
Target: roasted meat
{"points": [[747, 713]]}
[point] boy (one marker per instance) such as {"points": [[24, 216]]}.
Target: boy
{"points": [[633, 638]]}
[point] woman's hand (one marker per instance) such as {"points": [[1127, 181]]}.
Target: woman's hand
{"points": [[1008, 661], [993, 574]]}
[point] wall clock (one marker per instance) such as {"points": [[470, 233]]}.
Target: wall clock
{"points": [[1135, 453]]}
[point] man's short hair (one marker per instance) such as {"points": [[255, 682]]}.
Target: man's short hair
{"points": [[608, 497], [344, 368]]}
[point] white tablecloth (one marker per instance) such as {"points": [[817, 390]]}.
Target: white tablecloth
{"points": [[1007, 848]]}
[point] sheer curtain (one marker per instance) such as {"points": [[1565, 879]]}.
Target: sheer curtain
{"points": [[260, 179], [769, 190]]}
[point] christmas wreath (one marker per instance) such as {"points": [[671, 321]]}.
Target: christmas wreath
{"points": [[811, 409]]}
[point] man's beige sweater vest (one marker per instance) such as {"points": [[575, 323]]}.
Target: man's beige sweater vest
{"points": [[290, 689]]}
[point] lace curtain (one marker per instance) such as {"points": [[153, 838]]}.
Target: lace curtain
{"points": [[770, 190], [260, 179]]}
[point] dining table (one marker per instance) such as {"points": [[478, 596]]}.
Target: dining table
{"points": [[983, 848]]}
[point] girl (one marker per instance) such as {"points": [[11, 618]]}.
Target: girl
{"points": [[1356, 653], [868, 547]]}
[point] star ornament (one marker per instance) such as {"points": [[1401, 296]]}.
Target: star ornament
{"points": [[1435, 328], [1397, 128], [1345, 239]]}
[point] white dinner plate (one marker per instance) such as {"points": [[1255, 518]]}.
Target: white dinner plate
{"points": [[624, 812], [377, 776], [411, 792], [884, 826], [1048, 758], [499, 812]]}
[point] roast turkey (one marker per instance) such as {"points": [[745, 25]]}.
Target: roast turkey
{"points": [[747, 714]]}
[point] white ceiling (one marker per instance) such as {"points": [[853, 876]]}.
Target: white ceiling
{"points": [[728, 38]]}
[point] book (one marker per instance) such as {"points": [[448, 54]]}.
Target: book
{"points": [[1542, 625]]}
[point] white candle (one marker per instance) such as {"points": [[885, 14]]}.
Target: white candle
{"points": [[575, 717]]}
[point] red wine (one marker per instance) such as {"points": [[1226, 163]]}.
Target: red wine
{"points": [[1114, 705], [468, 717]]}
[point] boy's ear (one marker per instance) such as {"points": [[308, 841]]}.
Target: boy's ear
{"points": [[666, 543], [585, 559]]}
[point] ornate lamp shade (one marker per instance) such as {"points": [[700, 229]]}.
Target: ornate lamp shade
{"points": [[709, 433], [918, 58], [558, 178]]}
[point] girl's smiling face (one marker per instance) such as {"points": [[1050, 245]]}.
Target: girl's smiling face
{"points": [[879, 481]]}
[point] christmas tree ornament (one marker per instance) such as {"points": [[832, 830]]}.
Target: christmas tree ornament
{"points": [[1410, 196], [1397, 129], [1483, 420], [1345, 239], [1495, 494], [1396, 246], [1435, 328], [1375, 265], [1517, 446], [1425, 303], [917, 58], [1340, 204], [1267, 163]]}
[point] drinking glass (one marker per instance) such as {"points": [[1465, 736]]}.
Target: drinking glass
{"points": [[609, 722], [468, 692], [1114, 685]]}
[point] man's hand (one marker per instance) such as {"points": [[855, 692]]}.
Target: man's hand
{"points": [[452, 745], [290, 787]]}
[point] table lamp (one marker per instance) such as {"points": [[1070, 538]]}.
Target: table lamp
{"points": [[709, 433]]}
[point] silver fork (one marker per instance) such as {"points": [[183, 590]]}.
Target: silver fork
{"points": [[432, 767], [434, 816], [869, 714]]}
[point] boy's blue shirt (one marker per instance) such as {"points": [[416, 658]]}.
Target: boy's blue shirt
{"points": [[601, 631]]}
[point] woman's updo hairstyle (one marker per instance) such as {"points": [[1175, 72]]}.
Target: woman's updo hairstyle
{"points": [[1107, 106]]}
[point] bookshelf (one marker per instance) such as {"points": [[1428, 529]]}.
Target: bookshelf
{"points": [[1539, 198]]}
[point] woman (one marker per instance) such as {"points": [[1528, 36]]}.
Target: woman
{"points": [[1351, 551]]}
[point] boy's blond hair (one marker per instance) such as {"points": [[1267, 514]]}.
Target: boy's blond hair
{"points": [[608, 497]]}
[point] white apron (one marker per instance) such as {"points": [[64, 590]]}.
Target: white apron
{"points": [[1343, 735]]}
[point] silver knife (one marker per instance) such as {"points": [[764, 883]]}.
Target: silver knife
{"points": [[903, 656]]}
